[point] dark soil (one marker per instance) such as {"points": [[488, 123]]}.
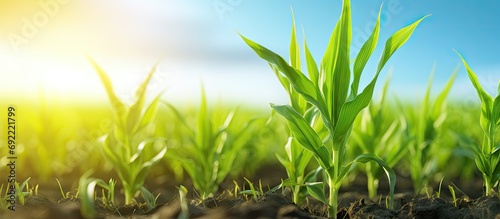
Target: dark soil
{"points": [[267, 206], [353, 203]]}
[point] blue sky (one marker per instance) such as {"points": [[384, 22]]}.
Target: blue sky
{"points": [[470, 27], [197, 42]]}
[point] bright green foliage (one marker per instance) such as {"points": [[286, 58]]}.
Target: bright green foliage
{"points": [[87, 194], [423, 134], [128, 146], [212, 147], [149, 198], [462, 132], [22, 191], [330, 96], [488, 156], [378, 132], [297, 157]]}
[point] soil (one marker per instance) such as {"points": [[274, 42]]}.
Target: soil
{"points": [[353, 203], [267, 206]]}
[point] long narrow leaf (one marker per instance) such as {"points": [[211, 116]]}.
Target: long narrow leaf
{"points": [[439, 102], [350, 110], [294, 46], [396, 41], [298, 80], [312, 67], [304, 134], [116, 103], [363, 56], [342, 72]]}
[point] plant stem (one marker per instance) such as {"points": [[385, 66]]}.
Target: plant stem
{"points": [[296, 191], [487, 184], [332, 199], [332, 176], [372, 182], [128, 197]]}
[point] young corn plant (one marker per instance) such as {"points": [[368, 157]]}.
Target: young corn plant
{"points": [[328, 92], [376, 132], [424, 134], [128, 146], [297, 157], [211, 149], [87, 194], [488, 155]]}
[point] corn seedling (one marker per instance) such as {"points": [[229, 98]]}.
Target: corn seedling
{"points": [[328, 92], [252, 190], [453, 195], [423, 134], [488, 155], [149, 198], [18, 192], [87, 194], [377, 133], [128, 147], [211, 149], [22, 195], [466, 133], [297, 157]]}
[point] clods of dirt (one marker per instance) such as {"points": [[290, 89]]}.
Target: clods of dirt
{"points": [[268, 206]]}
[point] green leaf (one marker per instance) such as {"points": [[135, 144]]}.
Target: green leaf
{"points": [[135, 109], [397, 40], [304, 134], [391, 176], [150, 113], [142, 147], [351, 109], [312, 176], [285, 162], [298, 80], [485, 97], [312, 67], [294, 48], [316, 191], [439, 102], [496, 112], [116, 103], [336, 64], [181, 119], [364, 54], [289, 182], [203, 125]]}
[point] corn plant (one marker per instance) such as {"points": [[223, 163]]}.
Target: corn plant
{"points": [[211, 149], [87, 194], [488, 155], [328, 92], [297, 157], [462, 132], [423, 134], [128, 147], [19, 192], [377, 132]]}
